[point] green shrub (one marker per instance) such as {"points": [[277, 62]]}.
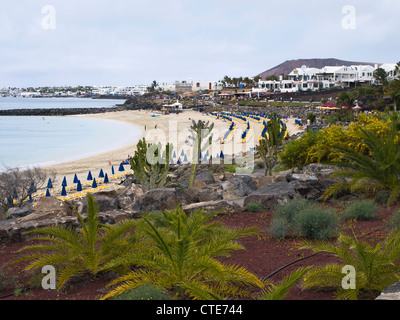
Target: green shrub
{"points": [[361, 210], [302, 217], [253, 207], [394, 222], [145, 292], [382, 197], [4, 280], [315, 223], [281, 224], [295, 153], [287, 210], [259, 164], [280, 227]]}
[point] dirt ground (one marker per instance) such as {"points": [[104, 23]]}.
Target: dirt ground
{"points": [[263, 256]]}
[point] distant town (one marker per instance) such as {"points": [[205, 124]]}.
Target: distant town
{"points": [[299, 79]]}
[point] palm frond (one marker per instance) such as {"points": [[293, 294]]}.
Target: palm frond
{"points": [[328, 276], [131, 281], [279, 291]]}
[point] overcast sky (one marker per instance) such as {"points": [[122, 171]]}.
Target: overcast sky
{"points": [[123, 42]]}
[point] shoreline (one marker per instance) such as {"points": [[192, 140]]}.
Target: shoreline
{"points": [[139, 119], [158, 126]]}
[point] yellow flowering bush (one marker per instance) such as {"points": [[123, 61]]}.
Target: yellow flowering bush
{"points": [[320, 147], [328, 138], [369, 122]]}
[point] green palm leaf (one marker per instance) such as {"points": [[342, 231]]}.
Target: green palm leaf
{"points": [[183, 254], [74, 252]]}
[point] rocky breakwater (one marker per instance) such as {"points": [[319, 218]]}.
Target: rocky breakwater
{"points": [[58, 111]]}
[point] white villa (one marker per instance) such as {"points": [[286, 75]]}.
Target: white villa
{"points": [[304, 78]]}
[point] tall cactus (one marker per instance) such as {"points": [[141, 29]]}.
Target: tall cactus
{"points": [[150, 165], [200, 132], [268, 147]]}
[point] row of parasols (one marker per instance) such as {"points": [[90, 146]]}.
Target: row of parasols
{"points": [[92, 182], [202, 157]]}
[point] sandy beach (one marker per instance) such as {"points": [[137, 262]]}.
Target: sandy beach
{"points": [[160, 128]]}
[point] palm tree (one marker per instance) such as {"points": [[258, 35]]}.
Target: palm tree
{"points": [[78, 252], [394, 91], [381, 75], [182, 258], [376, 266], [345, 99], [397, 68], [226, 81], [376, 171]]}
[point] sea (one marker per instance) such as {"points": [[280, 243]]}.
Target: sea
{"points": [[36, 141]]}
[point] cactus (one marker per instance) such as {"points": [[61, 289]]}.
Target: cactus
{"points": [[200, 132], [268, 147], [151, 167]]}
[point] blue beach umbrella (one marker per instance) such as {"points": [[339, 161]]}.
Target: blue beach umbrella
{"points": [[185, 159], [49, 184], [30, 199], [121, 167], [63, 192], [79, 186], [101, 174], [48, 193], [75, 179], [94, 184], [179, 161], [32, 188], [221, 155], [174, 155], [182, 153], [89, 177], [64, 183], [112, 170], [106, 178]]}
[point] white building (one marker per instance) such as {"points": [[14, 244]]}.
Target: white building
{"points": [[30, 94], [120, 91], [390, 68], [304, 78], [207, 85]]}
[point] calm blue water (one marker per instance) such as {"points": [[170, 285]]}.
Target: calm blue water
{"points": [[38, 141], [9, 103]]}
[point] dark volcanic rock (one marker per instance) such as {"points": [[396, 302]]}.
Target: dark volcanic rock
{"points": [[160, 199], [269, 196]]}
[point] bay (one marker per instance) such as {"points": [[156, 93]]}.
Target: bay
{"points": [[42, 141], [11, 103]]}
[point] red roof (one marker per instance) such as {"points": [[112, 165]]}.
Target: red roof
{"points": [[329, 105]]}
